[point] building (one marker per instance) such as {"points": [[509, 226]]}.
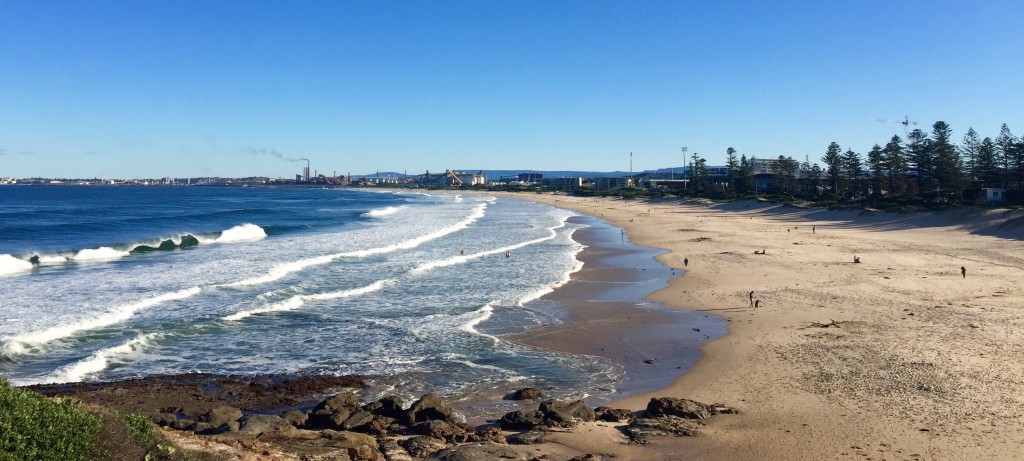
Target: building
{"points": [[454, 178], [607, 183], [994, 194], [566, 183]]}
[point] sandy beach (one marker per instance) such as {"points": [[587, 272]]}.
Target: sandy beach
{"points": [[921, 362]]}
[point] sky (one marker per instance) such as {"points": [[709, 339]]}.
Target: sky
{"points": [[147, 89]]}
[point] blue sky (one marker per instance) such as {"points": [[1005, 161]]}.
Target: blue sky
{"points": [[228, 88]]}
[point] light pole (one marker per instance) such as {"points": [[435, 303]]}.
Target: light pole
{"points": [[630, 170], [686, 184]]}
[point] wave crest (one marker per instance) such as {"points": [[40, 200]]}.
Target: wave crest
{"points": [[11, 265], [242, 233]]}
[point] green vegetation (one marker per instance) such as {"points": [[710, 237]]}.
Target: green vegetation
{"points": [[140, 427], [33, 427]]}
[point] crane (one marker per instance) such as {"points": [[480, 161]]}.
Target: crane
{"points": [[906, 122]]}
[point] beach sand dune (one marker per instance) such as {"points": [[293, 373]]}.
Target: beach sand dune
{"points": [[921, 362]]}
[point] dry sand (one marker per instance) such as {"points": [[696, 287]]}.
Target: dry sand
{"points": [[925, 364]]}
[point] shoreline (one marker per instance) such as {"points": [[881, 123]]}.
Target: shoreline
{"points": [[924, 364]]}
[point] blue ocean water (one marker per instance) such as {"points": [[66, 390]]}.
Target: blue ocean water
{"points": [[104, 283]]}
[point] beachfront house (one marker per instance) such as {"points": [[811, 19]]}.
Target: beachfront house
{"points": [[608, 183], [994, 194], [566, 183]]}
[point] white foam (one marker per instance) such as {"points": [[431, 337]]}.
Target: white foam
{"points": [[11, 265], [52, 259], [14, 344], [289, 304], [481, 315], [282, 270], [97, 362], [297, 301], [99, 254], [465, 258], [381, 212], [242, 233]]}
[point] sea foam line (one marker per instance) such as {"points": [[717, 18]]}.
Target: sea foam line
{"points": [[297, 301], [537, 294], [460, 259], [282, 270], [95, 362], [381, 212], [16, 344], [482, 314]]}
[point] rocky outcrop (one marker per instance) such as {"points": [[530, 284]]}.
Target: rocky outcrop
{"points": [[529, 393], [613, 415], [565, 414], [479, 451], [683, 408], [521, 420], [422, 446], [430, 407], [221, 415]]}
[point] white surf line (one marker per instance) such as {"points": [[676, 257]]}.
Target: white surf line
{"points": [[96, 362], [460, 259], [483, 314], [537, 294], [297, 301], [16, 344], [282, 270]]}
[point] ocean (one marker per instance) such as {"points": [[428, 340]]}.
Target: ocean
{"points": [[412, 290]]}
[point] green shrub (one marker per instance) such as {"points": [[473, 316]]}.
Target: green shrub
{"points": [[33, 427], [140, 427]]}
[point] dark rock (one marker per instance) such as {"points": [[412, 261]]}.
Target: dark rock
{"points": [[359, 447], [263, 424], [393, 451], [388, 406], [722, 409], [683, 408], [358, 419], [452, 433], [531, 437], [644, 428], [429, 407], [529, 393], [230, 426], [184, 424], [380, 426], [296, 418], [328, 419], [221, 415], [422, 446], [488, 433], [519, 420], [345, 399], [202, 428], [613, 415], [479, 451], [565, 414]]}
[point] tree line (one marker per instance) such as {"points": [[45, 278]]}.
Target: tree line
{"points": [[924, 168]]}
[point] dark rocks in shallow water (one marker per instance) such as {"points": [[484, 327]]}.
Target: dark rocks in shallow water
{"points": [[670, 406], [521, 419], [422, 446], [529, 393], [428, 408], [613, 415], [480, 451], [388, 406], [564, 414]]}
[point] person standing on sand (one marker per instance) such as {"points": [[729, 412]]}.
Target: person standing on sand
{"points": [[757, 303], [963, 271], [751, 296], [686, 262], [813, 229]]}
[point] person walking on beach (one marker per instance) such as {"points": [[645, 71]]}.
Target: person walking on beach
{"points": [[751, 296], [813, 229], [757, 304], [686, 262], [963, 271]]}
